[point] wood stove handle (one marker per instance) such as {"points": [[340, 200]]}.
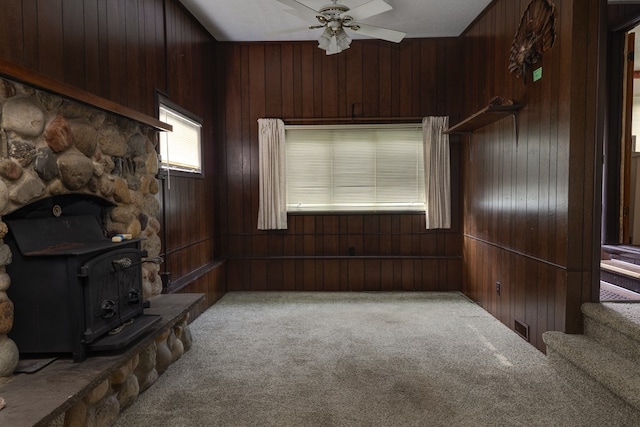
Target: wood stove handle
{"points": [[123, 262], [108, 308], [134, 297]]}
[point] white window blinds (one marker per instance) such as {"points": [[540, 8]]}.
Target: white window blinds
{"points": [[355, 168], [180, 149]]}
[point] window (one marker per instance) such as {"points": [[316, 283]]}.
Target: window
{"points": [[180, 149], [355, 168]]}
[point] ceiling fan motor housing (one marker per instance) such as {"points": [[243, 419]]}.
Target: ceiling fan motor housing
{"points": [[333, 10], [332, 16]]}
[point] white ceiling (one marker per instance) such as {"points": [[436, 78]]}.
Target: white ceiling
{"points": [[259, 20]]}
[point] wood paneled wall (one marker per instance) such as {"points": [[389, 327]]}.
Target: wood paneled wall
{"points": [[114, 49], [125, 50], [297, 80], [529, 202], [531, 186], [623, 16], [191, 205]]}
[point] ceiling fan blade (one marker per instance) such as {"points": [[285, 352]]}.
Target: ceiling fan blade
{"points": [[304, 10], [299, 14], [287, 31], [379, 32], [368, 9]]}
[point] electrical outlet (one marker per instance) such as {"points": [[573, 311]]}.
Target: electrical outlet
{"points": [[498, 286]]}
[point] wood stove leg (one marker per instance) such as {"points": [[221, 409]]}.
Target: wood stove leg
{"points": [[79, 354]]}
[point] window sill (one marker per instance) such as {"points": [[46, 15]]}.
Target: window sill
{"points": [[355, 212], [164, 174]]}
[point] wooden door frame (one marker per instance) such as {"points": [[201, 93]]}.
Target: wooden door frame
{"points": [[613, 155], [626, 142]]}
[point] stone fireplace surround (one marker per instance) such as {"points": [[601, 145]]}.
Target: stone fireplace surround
{"points": [[52, 145]]}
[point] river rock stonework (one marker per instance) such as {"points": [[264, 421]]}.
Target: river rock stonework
{"points": [[50, 146], [102, 405]]}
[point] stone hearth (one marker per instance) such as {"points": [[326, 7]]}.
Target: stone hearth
{"points": [[50, 145], [94, 392]]}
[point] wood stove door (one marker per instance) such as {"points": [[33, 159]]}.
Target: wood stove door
{"points": [[112, 291]]}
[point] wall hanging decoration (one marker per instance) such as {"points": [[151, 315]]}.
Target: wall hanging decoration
{"points": [[536, 33]]}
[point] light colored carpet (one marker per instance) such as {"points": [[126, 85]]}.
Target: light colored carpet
{"points": [[361, 359]]}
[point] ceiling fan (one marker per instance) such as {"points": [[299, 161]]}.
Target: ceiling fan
{"points": [[336, 18]]}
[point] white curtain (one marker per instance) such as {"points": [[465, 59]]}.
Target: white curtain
{"points": [[272, 211], [437, 172]]}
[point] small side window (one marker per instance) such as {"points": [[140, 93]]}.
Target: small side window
{"points": [[180, 150]]}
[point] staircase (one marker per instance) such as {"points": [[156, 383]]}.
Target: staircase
{"points": [[605, 359]]}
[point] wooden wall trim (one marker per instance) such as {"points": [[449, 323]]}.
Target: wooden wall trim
{"points": [[186, 280], [515, 252], [342, 120], [32, 78], [187, 246], [347, 257]]}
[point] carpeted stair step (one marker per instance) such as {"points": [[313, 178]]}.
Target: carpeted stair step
{"points": [[614, 325], [614, 372]]}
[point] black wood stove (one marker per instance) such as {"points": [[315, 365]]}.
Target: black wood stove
{"points": [[74, 290]]}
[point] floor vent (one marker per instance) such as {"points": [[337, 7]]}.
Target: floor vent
{"points": [[522, 329]]}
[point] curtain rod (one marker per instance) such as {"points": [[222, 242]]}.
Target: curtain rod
{"points": [[334, 120]]}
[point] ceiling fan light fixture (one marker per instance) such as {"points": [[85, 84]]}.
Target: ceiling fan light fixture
{"points": [[324, 42], [333, 47], [333, 50], [333, 42], [343, 40]]}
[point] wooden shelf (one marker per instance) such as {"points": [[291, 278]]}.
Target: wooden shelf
{"points": [[17, 73], [484, 117]]}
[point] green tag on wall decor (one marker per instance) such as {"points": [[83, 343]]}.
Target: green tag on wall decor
{"points": [[537, 74]]}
